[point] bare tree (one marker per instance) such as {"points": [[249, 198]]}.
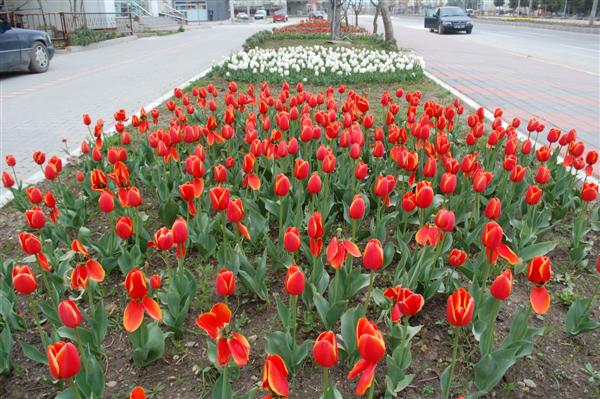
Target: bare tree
{"points": [[345, 8], [335, 12], [357, 6], [376, 5], [383, 8]]}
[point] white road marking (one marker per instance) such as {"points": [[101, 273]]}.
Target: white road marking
{"points": [[597, 51]]}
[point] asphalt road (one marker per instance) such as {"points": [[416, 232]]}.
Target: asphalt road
{"points": [[38, 110], [552, 75]]}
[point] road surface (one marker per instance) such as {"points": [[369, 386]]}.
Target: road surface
{"points": [[38, 110], [552, 75]]}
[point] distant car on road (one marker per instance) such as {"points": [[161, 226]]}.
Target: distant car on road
{"points": [[242, 15], [260, 14], [280, 16], [22, 49], [316, 15], [448, 19]]}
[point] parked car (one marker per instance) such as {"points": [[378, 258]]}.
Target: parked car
{"points": [[280, 16], [242, 15], [260, 14], [448, 19], [24, 49], [313, 14]]}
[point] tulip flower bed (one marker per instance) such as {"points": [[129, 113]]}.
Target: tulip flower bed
{"points": [[319, 26], [279, 240], [322, 65]]}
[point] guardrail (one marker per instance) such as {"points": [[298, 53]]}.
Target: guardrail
{"points": [[60, 25]]}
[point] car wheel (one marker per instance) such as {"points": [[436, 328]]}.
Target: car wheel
{"points": [[40, 61], [440, 29], [469, 31]]}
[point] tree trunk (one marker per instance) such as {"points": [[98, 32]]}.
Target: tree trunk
{"points": [[593, 13], [346, 16], [390, 40], [356, 17], [375, 20]]}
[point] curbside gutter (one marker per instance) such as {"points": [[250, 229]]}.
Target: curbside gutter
{"points": [[97, 45]]}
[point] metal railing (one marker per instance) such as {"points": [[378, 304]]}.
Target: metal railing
{"points": [[60, 26]]}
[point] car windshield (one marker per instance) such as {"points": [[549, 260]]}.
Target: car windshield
{"points": [[452, 12]]}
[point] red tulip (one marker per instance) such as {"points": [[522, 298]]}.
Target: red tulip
{"points": [[162, 240], [373, 255], [325, 350], [274, 376], [328, 163], [429, 235], [155, 281], [10, 161], [540, 299], [69, 313], [35, 218], [315, 225], [79, 278], [459, 308], [63, 360], [39, 157], [237, 347], [7, 180], [282, 185], [106, 202], [457, 257], [517, 173], [406, 302], [502, 285], [137, 288], [180, 234], [371, 348], [219, 198], [409, 202], [493, 209], [23, 280], [294, 280], [301, 169], [214, 322], [357, 207], [424, 194], [361, 170], [492, 240], [30, 243], [445, 219], [448, 183], [542, 176], [124, 227], [291, 240], [337, 252], [533, 195], [540, 270], [34, 195], [314, 183], [137, 393], [220, 173], [225, 283], [589, 191]]}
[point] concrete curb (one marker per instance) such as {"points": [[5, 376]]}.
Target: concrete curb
{"points": [[541, 25], [7, 196], [94, 46], [489, 115]]}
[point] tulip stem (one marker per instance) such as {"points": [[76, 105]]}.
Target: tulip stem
{"points": [[281, 220], [354, 223], [47, 285], [491, 324], [224, 386], [224, 229], [336, 285], [137, 226], [36, 318], [371, 278], [90, 296], [456, 332], [75, 390], [372, 389], [292, 322], [325, 380], [79, 342]]}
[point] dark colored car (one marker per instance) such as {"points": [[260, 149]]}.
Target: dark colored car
{"points": [[448, 19], [280, 16], [316, 15], [22, 49]]}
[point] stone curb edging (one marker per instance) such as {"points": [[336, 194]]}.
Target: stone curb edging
{"points": [[541, 25], [97, 45]]}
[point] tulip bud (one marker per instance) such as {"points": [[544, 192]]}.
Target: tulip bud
{"points": [[424, 194], [502, 285], [69, 313], [445, 220], [357, 207], [137, 393], [155, 281], [459, 308], [493, 209], [291, 239], [225, 283], [314, 183], [373, 255], [448, 183], [325, 350], [35, 218], [282, 185], [7, 180], [301, 169], [106, 202], [294, 280], [39, 157], [533, 195], [457, 257], [124, 227], [63, 360], [540, 270], [409, 202], [589, 192], [180, 231], [23, 280]]}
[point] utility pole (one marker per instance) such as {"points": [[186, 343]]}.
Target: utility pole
{"points": [[231, 11], [565, 10], [593, 13]]}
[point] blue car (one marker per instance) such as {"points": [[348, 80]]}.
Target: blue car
{"points": [[24, 49]]}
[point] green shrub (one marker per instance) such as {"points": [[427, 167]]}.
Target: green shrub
{"points": [[86, 36]]}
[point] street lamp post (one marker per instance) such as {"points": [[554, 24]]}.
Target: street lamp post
{"points": [[593, 13], [231, 12]]}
